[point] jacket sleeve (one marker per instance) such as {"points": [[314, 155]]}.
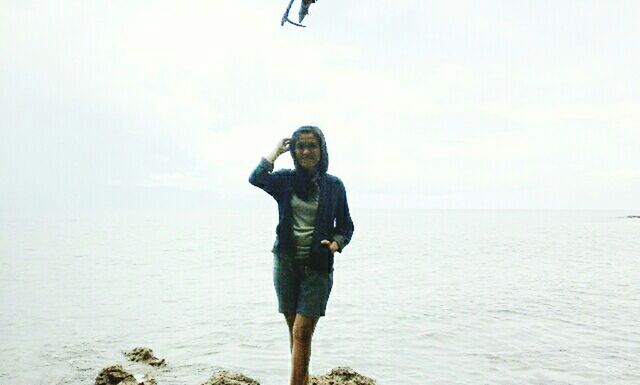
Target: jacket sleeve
{"points": [[264, 177], [344, 225]]}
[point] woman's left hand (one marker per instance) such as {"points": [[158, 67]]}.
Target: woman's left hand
{"points": [[332, 245]]}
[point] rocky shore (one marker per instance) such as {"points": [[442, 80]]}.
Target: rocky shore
{"points": [[117, 375]]}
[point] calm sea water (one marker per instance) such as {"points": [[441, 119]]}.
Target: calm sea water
{"points": [[419, 297]]}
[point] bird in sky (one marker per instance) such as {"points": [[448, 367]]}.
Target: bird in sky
{"points": [[304, 11]]}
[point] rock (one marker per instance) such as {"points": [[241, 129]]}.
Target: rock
{"points": [[341, 376], [226, 377], [148, 380], [144, 355], [115, 374]]}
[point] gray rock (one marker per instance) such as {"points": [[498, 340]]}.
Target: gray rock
{"points": [[115, 374], [342, 376], [226, 377], [144, 355], [148, 380]]}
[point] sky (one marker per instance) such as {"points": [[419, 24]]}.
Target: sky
{"points": [[424, 104]]}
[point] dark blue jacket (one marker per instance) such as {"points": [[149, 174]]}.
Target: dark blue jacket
{"points": [[333, 221]]}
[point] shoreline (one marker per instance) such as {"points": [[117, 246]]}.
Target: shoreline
{"points": [[118, 375]]}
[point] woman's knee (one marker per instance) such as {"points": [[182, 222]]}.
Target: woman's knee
{"points": [[302, 333], [303, 328]]}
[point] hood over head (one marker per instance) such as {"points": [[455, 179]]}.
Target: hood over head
{"points": [[305, 182], [323, 164]]}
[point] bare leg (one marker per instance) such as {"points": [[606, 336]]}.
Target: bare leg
{"points": [[303, 328], [290, 320]]}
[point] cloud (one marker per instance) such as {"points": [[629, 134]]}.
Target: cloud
{"points": [[177, 181]]}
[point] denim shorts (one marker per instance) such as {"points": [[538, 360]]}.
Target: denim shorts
{"points": [[301, 289]]}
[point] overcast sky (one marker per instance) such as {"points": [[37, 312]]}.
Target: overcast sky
{"points": [[428, 104]]}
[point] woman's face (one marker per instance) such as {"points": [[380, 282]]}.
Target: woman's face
{"points": [[307, 151]]}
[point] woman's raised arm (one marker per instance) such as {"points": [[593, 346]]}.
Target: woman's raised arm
{"points": [[263, 175]]}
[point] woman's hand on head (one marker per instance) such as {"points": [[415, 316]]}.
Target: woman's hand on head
{"points": [[283, 145], [281, 148]]}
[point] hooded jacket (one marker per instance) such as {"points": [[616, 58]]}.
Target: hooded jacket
{"points": [[333, 220]]}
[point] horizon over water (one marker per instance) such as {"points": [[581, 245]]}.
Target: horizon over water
{"points": [[420, 296]]}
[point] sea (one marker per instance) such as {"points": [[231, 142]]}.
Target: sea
{"points": [[419, 297]]}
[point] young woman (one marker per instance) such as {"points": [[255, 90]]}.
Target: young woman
{"points": [[314, 223]]}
